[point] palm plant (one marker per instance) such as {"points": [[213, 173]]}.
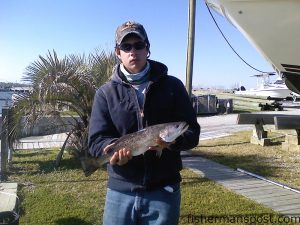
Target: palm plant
{"points": [[70, 82]]}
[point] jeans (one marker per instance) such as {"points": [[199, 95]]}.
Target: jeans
{"points": [[159, 207]]}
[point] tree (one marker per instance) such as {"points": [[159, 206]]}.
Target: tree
{"points": [[70, 82]]}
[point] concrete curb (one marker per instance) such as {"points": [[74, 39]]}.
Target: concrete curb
{"points": [[8, 196]]}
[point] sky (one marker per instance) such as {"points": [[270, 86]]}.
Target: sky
{"points": [[29, 28]]}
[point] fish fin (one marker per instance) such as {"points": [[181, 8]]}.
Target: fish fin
{"points": [[88, 165], [91, 164], [108, 148], [103, 159]]}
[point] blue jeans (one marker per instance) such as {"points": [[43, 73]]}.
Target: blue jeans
{"points": [[159, 207]]}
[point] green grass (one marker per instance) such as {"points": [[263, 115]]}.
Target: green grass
{"points": [[64, 196], [57, 196]]}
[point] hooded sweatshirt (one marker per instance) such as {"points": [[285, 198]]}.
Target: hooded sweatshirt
{"points": [[116, 111]]}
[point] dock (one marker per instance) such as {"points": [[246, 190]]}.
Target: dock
{"points": [[281, 200]]}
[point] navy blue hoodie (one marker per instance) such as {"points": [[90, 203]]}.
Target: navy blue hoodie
{"points": [[116, 112]]}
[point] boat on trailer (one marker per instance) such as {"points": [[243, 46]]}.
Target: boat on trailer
{"points": [[273, 90]]}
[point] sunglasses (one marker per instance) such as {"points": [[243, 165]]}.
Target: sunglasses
{"points": [[126, 47]]}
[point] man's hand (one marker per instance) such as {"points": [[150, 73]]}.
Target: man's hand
{"points": [[121, 157]]}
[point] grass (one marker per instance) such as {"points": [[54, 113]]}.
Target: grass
{"points": [[64, 196], [271, 161]]}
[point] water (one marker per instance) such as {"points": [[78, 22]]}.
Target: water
{"points": [[5, 99]]}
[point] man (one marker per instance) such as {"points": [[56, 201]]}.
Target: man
{"points": [[143, 189]]}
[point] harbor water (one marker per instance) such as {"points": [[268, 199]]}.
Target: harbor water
{"points": [[5, 99]]}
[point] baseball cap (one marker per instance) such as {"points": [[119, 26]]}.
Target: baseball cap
{"points": [[131, 27]]}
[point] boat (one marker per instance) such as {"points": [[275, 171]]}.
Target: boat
{"points": [[19, 92], [276, 90], [272, 26]]}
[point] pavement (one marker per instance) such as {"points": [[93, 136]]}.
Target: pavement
{"points": [[40, 142], [217, 126], [8, 196], [278, 197]]}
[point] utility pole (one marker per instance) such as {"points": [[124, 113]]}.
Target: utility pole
{"points": [[190, 50], [4, 145]]}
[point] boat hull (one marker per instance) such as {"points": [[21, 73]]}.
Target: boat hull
{"points": [[268, 92], [273, 27]]}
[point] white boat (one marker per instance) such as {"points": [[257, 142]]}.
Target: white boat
{"points": [[273, 27], [19, 92], [267, 88]]}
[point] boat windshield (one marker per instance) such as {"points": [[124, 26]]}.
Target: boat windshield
{"points": [[279, 82]]}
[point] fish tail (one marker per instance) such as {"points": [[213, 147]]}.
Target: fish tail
{"points": [[88, 165], [91, 164], [103, 159]]}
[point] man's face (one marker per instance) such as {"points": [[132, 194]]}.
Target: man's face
{"points": [[134, 58]]}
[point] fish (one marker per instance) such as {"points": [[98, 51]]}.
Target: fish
{"points": [[137, 142]]}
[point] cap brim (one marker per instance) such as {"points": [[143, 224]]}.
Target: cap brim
{"points": [[131, 32]]}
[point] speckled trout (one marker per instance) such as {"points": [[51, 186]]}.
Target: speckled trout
{"points": [[137, 142]]}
